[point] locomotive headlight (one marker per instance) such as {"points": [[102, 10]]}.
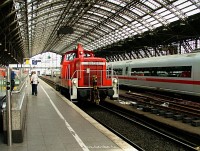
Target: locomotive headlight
{"points": [[115, 81], [74, 82]]}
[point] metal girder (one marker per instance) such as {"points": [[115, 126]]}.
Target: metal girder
{"points": [[100, 25]]}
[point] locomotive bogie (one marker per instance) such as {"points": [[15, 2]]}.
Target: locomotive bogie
{"points": [[103, 93]]}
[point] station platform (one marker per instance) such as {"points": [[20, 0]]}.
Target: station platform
{"points": [[53, 123]]}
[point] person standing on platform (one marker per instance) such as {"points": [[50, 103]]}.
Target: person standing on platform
{"points": [[34, 82], [13, 74]]}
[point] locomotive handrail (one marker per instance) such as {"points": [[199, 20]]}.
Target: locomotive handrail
{"points": [[108, 76]]}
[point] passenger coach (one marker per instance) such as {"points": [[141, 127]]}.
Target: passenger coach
{"points": [[175, 73]]}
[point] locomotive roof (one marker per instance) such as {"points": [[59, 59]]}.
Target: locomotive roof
{"points": [[75, 50]]}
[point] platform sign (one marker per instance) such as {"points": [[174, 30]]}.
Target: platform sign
{"points": [[34, 62], [27, 61]]}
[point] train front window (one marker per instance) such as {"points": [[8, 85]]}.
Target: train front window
{"points": [[70, 56], [63, 56], [87, 55]]}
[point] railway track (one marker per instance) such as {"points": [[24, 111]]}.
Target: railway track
{"points": [[139, 134], [173, 106], [49, 81]]}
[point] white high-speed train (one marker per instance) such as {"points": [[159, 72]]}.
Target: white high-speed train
{"points": [[175, 73]]}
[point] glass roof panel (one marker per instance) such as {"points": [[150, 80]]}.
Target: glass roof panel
{"points": [[137, 11], [154, 22], [173, 19], [187, 9], [179, 2], [105, 8], [117, 22], [157, 25], [161, 10], [193, 12], [118, 2], [152, 4], [147, 17], [183, 5], [150, 19], [100, 15], [126, 17], [110, 26], [165, 13]]}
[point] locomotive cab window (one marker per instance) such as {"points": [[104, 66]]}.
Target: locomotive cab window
{"points": [[62, 59], [87, 55], [71, 56]]}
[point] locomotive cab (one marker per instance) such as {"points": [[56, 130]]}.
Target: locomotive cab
{"points": [[85, 76]]}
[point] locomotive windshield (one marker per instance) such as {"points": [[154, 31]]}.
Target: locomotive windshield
{"points": [[87, 55], [71, 56]]}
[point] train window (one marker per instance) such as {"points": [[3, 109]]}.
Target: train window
{"points": [[175, 71], [118, 71]]}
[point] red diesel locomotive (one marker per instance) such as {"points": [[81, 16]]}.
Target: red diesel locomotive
{"points": [[85, 77]]}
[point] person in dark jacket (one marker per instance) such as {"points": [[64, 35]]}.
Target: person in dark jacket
{"points": [[13, 74]]}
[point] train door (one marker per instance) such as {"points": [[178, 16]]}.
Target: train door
{"points": [[63, 66], [126, 71], [195, 75]]}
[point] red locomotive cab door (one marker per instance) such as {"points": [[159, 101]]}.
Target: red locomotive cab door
{"points": [[63, 72], [66, 80]]}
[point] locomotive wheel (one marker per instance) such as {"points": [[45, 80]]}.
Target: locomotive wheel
{"points": [[111, 98], [62, 91], [67, 93], [57, 88], [102, 98]]}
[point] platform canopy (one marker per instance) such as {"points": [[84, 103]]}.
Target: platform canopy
{"points": [[31, 27]]}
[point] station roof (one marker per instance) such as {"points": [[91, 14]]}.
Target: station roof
{"points": [[31, 27]]}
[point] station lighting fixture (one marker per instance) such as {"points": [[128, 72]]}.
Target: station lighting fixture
{"points": [[182, 24], [151, 34], [130, 39], [164, 29]]}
